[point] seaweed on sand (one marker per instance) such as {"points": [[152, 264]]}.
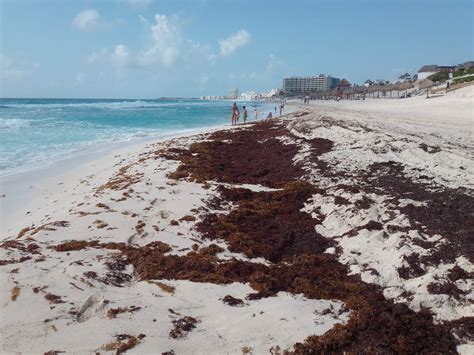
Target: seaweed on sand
{"points": [[182, 326], [254, 156], [271, 224], [123, 343]]}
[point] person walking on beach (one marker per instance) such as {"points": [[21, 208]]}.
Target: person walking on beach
{"points": [[245, 114], [281, 109]]}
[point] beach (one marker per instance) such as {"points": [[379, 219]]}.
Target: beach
{"points": [[340, 227]]}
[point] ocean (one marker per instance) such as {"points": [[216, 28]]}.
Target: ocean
{"points": [[35, 132]]}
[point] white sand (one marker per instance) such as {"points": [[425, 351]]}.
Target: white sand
{"points": [[380, 130], [31, 324], [396, 129]]}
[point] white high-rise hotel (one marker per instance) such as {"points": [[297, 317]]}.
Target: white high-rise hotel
{"points": [[310, 83]]}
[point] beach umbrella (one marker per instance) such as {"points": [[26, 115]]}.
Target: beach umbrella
{"points": [[379, 91], [356, 90], [397, 86], [375, 89], [426, 84], [389, 88], [348, 92], [371, 89], [405, 86]]}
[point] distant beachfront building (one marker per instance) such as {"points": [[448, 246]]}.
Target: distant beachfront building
{"points": [[405, 77], [427, 70], [368, 83], [467, 65], [234, 94], [309, 84]]}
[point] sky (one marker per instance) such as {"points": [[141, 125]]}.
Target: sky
{"points": [[154, 48]]}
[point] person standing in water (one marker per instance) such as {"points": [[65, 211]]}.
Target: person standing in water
{"points": [[235, 113], [246, 114], [255, 113]]}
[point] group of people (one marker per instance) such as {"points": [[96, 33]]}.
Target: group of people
{"points": [[236, 113]]}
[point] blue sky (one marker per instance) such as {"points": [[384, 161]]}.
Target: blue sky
{"points": [[153, 48]]}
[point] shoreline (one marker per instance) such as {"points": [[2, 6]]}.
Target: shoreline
{"points": [[172, 245], [43, 176], [189, 119]]}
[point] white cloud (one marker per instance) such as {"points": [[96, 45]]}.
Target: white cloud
{"points": [[94, 57], [211, 57], [86, 20], [235, 41], [166, 42], [9, 70], [13, 73], [120, 56], [167, 46], [143, 20], [139, 3], [198, 52]]}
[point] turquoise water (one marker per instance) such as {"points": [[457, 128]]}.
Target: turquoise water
{"points": [[36, 131]]}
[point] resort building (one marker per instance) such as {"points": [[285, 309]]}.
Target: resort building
{"points": [[234, 94], [309, 84], [368, 83], [466, 65], [405, 77], [427, 70]]}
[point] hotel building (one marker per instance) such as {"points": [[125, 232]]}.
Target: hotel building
{"points": [[309, 83]]}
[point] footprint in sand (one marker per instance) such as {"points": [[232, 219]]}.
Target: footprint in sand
{"points": [[164, 214], [90, 307]]}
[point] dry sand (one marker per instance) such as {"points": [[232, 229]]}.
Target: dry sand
{"points": [[392, 184]]}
